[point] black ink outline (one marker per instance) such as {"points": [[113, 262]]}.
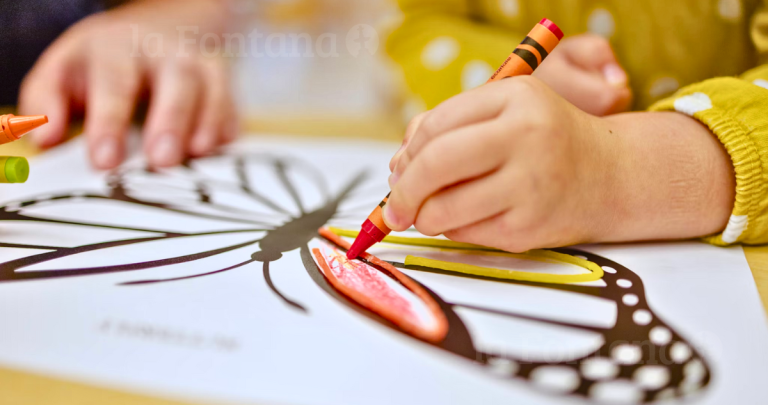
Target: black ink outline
{"points": [[297, 231]]}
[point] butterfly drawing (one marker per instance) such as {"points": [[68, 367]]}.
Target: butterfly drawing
{"points": [[217, 210]]}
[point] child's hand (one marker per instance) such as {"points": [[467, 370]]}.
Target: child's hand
{"points": [[514, 166], [101, 66], [584, 70]]}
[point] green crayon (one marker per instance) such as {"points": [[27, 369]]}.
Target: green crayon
{"points": [[13, 169]]}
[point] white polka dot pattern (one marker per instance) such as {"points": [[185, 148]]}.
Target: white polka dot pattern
{"points": [[503, 367], [736, 226], [694, 371], [475, 74], [761, 83], [660, 336], [729, 10], [690, 105], [623, 283], [440, 53], [510, 8], [556, 378], [599, 368], [651, 377], [680, 352], [642, 317], [601, 23], [630, 300], [616, 392], [627, 354]]}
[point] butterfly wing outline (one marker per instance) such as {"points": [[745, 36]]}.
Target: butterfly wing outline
{"points": [[641, 359], [206, 209], [221, 203]]}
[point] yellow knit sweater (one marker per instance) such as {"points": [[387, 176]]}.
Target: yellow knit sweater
{"points": [[688, 56]]}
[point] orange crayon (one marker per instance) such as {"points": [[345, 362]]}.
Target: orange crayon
{"points": [[539, 43], [12, 128]]}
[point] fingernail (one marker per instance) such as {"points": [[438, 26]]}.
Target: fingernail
{"points": [[166, 151], [106, 154], [614, 74], [389, 217]]}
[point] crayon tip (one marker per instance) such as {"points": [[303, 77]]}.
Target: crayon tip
{"points": [[362, 243], [20, 126]]}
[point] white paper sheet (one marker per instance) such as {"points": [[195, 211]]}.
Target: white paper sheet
{"points": [[82, 253]]}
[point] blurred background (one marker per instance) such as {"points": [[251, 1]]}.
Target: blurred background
{"points": [[356, 92], [346, 86]]}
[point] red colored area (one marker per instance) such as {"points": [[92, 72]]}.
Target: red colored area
{"points": [[368, 236], [365, 284], [370, 282]]}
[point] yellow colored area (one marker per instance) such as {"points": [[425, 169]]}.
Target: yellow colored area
{"points": [[426, 242], [21, 388], [548, 256]]}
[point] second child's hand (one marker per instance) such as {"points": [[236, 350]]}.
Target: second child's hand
{"points": [[512, 165], [94, 68]]}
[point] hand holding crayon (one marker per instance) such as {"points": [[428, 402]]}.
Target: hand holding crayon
{"points": [[515, 166], [534, 49]]}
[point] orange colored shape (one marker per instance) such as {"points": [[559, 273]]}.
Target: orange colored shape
{"points": [[12, 128], [514, 66], [377, 218], [403, 320]]}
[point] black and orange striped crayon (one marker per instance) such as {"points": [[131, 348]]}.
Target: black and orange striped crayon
{"points": [[539, 43]]}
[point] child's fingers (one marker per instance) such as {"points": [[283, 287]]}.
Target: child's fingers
{"points": [[172, 112], [590, 92], [594, 53], [217, 113], [413, 126], [475, 106], [458, 156], [466, 204], [589, 52], [44, 93], [113, 85], [502, 231]]}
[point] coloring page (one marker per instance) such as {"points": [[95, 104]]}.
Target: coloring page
{"points": [[199, 283]]}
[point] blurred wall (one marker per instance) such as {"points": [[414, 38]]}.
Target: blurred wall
{"points": [[320, 64]]}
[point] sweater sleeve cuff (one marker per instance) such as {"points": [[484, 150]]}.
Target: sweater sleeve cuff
{"points": [[735, 111]]}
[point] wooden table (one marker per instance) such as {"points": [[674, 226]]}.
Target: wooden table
{"points": [[23, 388]]}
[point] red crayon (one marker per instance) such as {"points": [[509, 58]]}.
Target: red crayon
{"points": [[374, 231], [539, 43]]}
